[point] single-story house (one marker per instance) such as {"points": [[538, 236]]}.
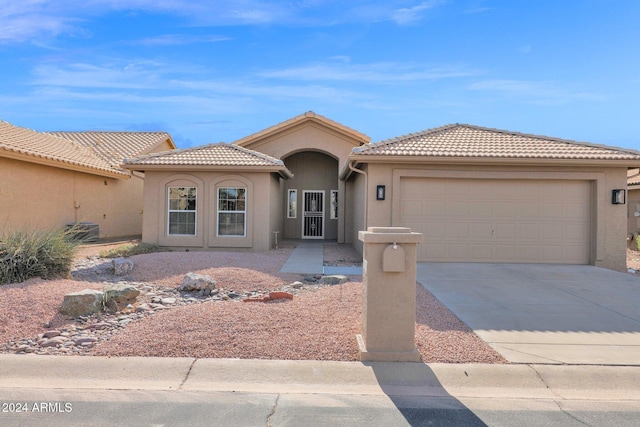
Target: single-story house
{"points": [[633, 206], [477, 194], [49, 180]]}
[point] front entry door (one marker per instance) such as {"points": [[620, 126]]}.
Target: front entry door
{"points": [[313, 215]]}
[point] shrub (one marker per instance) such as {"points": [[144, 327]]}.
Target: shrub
{"points": [[43, 253], [130, 249]]}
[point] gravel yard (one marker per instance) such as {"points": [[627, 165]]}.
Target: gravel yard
{"points": [[320, 323]]}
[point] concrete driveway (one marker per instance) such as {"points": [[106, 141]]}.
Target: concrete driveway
{"points": [[532, 313]]}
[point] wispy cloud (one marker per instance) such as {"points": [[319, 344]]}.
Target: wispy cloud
{"points": [[382, 72], [410, 15], [181, 39], [535, 92]]}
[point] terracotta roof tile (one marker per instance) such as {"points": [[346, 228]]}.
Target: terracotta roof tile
{"points": [[43, 146], [461, 140], [219, 154], [115, 146]]}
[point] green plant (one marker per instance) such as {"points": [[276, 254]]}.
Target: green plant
{"points": [[42, 253], [130, 249]]}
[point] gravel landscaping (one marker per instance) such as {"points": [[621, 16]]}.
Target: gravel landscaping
{"points": [[319, 323]]}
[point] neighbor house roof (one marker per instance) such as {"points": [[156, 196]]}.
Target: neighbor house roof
{"points": [[209, 157], [42, 148], [309, 116], [115, 146], [633, 177], [461, 141]]}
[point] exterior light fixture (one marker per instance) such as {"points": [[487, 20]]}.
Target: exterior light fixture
{"points": [[619, 197], [380, 190]]}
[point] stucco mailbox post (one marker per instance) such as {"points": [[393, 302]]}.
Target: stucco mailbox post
{"points": [[389, 306]]}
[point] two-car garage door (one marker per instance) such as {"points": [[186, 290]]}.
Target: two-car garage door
{"points": [[494, 220]]}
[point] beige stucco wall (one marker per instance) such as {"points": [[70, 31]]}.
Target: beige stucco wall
{"points": [[310, 136], [34, 196], [355, 208], [312, 171], [609, 224], [633, 205], [262, 192]]}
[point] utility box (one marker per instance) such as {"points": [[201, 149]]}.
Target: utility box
{"points": [[389, 306]]}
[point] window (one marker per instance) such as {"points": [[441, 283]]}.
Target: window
{"points": [[292, 204], [182, 211], [334, 205], [232, 211]]}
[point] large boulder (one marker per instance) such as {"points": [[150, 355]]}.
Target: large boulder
{"points": [[118, 296], [82, 303], [122, 266], [193, 282]]}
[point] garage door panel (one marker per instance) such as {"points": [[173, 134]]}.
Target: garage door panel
{"points": [[550, 231], [505, 231], [458, 208], [481, 209], [432, 230], [575, 210], [457, 251], [551, 210], [457, 231], [575, 233], [499, 221]]}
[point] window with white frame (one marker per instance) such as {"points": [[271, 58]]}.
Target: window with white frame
{"points": [[292, 204], [232, 211], [334, 205], [182, 211]]}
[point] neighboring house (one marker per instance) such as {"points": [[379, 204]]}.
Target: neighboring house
{"points": [[49, 180], [477, 194], [633, 210]]}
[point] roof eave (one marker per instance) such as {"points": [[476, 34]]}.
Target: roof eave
{"points": [[16, 155], [359, 159], [281, 170]]}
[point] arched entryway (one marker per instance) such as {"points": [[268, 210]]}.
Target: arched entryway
{"points": [[311, 197]]}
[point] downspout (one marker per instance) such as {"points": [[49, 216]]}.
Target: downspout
{"points": [[366, 192]]}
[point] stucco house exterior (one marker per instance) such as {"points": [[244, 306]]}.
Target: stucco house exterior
{"points": [[633, 206], [477, 194], [49, 180]]}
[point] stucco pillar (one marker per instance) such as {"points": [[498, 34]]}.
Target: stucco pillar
{"points": [[389, 306]]}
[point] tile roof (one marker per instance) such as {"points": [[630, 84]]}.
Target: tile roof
{"points": [[115, 146], [219, 154], [634, 180], [461, 140], [309, 115], [43, 147]]}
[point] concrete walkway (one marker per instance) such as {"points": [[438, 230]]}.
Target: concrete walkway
{"points": [[308, 258], [309, 376], [530, 313], [78, 391]]}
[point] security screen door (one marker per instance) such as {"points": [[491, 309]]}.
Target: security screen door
{"points": [[313, 215]]}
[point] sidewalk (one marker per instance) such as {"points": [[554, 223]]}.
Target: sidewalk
{"points": [[321, 377], [308, 258]]}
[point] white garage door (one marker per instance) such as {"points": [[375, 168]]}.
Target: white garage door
{"points": [[483, 220]]}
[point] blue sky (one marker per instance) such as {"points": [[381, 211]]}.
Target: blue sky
{"points": [[218, 70]]}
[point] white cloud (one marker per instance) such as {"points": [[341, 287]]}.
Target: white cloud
{"points": [[410, 15], [382, 72], [181, 39]]}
